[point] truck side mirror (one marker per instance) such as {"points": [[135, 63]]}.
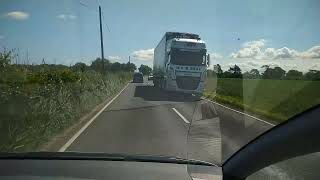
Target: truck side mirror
{"points": [[208, 60]]}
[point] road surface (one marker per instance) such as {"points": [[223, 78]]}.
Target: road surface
{"points": [[145, 120]]}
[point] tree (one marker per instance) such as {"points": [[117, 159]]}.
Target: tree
{"points": [[100, 65], [273, 73], [5, 58], [144, 69], [80, 67], [130, 67], [233, 72], [247, 75], [227, 74], [105, 65], [255, 74], [217, 69], [313, 75], [294, 75], [115, 67]]}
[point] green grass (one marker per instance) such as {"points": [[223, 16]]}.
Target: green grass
{"points": [[35, 106], [276, 100]]}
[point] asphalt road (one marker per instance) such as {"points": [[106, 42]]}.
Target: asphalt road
{"points": [[145, 120]]}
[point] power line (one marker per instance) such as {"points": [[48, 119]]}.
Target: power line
{"points": [[105, 23], [85, 5]]}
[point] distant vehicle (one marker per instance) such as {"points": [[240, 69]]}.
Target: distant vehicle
{"points": [[180, 63], [150, 77], [138, 77]]}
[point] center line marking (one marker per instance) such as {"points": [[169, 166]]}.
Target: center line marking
{"points": [[180, 115]]}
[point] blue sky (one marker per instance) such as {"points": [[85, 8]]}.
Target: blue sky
{"points": [[284, 33]]}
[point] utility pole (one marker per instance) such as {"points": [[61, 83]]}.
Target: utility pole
{"points": [[129, 59], [101, 40]]}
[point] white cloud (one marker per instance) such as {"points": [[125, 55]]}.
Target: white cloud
{"points": [[144, 54], [257, 50], [248, 64], [17, 15], [281, 53], [258, 43], [311, 53], [250, 49], [66, 17], [315, 67], [114, 58], [214, 56]]}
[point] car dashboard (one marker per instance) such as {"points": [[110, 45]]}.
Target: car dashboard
{"points": [[97, 169]]}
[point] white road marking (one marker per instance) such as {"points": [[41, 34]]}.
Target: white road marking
{"points": [[194, 178], [75, 136], [241, 113], [180, 115]]}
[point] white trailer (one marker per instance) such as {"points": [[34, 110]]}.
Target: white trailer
{"points": [[180, 63]]}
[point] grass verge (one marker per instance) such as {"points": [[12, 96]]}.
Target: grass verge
{"points": [[277, 100], [43, 104]]}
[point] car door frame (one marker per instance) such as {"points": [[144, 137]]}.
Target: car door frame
{"points": [[300, 133]]}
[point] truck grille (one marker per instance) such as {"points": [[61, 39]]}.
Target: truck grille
{"points": [[189, 83]]}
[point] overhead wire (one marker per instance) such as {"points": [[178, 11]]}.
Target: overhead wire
{"points": [[103, 18], [105, 22]]}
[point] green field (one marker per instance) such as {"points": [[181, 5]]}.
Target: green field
{"points": [[276, 100]]}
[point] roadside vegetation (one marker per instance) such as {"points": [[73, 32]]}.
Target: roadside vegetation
{"points": [[274, 94], [39, 101]]}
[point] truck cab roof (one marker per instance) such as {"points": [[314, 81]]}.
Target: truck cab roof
{"points": [[188, 40], [171, 35]]}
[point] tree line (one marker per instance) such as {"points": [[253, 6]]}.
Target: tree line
{"points": [[268, 73], [105, 65], [11, 71]]}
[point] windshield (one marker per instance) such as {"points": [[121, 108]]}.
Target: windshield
{"points": [[188, 58], [67, 75]]}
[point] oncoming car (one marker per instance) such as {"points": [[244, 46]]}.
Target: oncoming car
{"points": [[138, 77], [150, 77]]}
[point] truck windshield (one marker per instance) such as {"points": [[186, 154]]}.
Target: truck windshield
{"points": [[188, 58]]}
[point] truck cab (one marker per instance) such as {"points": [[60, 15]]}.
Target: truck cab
{"points": [[182, 65], [186, 65]]}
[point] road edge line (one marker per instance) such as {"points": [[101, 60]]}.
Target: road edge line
{"points": [[180, 115], [241, 112], [83, 128]]}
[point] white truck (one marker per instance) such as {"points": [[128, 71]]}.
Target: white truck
{"points": [[180, 63]]}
